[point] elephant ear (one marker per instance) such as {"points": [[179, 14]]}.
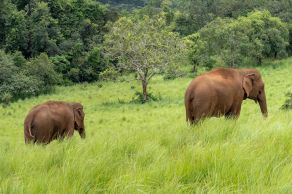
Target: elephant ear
{"points": [[247, 83], [78, 114]]}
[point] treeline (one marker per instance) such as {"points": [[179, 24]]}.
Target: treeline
{"points": [[125, 3], [246, 40], [194, 14], [49, 42]]}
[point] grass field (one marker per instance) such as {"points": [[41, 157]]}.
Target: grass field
{"points": [[148, 148]]}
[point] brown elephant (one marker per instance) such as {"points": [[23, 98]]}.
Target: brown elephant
{"points": [[221, 92], [53, 120]]}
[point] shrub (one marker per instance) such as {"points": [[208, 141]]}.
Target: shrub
{"points": [[18, 59], [43, 69], [139, 98], [93, 65], [6, 98], [61, 64], [172, 72], [109, 74], [234, 42], [20, 79], [288, 103], [26, 86], [73, 74]]}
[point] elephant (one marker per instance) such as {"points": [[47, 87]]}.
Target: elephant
{"points": [[220, 92], [53, 120]]}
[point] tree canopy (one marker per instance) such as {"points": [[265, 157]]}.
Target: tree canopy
{"points": [[242, 41], [145, 47]]}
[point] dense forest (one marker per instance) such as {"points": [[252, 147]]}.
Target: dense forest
{"points": [[44, 43]]}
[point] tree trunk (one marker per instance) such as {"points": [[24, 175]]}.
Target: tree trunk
{"points": [[144, 87], [259, 60], [194, 70]]}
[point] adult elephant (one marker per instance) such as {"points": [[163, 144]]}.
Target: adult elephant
{"points": [[221, 92], [53, 120]]}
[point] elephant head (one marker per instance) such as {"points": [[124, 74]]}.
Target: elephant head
{"points": [[79, 119], [254, 88]]}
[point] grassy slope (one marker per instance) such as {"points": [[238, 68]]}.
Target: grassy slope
{"points": [[149, 148]]}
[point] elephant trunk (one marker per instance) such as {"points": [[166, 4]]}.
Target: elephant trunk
{"points": [[263, 104], [82, 134]]}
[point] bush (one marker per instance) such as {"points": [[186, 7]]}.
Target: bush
{"points": [[6, 98], [242, 41], [172, 72], [43, 69], [109, 74], [288, 103], [20, 79], [26, 86], [139, 99], [80, 66], [73, 74], [94, 64], [19, 59], [61, 64], [290, 39]]}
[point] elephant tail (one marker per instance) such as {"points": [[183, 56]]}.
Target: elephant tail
{"points": [[27, 128], [189, 107]]}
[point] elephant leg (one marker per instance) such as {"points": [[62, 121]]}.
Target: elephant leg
{"points": [[28, 140], [200, 113], [68, 132], [234, 112]]}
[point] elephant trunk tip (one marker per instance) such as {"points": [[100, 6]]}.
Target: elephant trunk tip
{"points": [[83, 135]]}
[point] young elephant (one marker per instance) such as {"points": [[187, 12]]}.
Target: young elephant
{"points": [[221, 92], [53, 120]]}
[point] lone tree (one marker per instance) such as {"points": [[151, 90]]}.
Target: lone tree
{"points": [[145, 46]]}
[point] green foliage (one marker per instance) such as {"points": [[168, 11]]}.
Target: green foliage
{"points": [[72, 33], [195, 14], [20, 79], [125, 4], [43, 69], [288, 103], [81, 68], [109, 74], [93, 66], [22, 86], [144, 46], [73, 74], [173, 71], [6, 98], [19, 59], [139, 98], [246, 40], [67, 31], [32, 33], [290, 38], [61, 64]]}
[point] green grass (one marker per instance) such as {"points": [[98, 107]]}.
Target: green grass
{"points": [[135, 148]]}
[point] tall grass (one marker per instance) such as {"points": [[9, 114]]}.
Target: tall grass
{"points": [[148, 148]]}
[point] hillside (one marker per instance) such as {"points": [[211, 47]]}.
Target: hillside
{"points": [[148, 148]]}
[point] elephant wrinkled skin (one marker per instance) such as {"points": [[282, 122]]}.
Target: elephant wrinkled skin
{"points": [[220, 92], [53, 120]]}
